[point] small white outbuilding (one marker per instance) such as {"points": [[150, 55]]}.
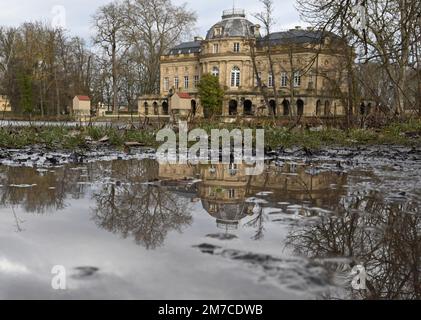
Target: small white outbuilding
{"points": [[81, 106]]}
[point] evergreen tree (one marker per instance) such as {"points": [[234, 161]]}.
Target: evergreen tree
{"points": [[211, 95]]}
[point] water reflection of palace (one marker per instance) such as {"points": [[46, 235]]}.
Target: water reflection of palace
{"points": [[133, 196], [225, 188]]}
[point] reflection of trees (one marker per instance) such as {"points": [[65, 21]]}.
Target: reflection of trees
{"points": [[384, 237], [143, 211], [257, 222], [124, 203], [47, 191]]}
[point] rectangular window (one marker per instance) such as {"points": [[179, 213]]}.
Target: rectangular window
{"points": [[196, 81], [236, 47], [176, 82], [270, 80], [231, 193], [235, 79], [166, 84], [284, 79], [186, 82], [297, 79], [233, 169], [216, 48]]}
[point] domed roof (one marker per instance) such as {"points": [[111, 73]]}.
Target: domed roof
{"points": [[233, 24], [227, 213]]}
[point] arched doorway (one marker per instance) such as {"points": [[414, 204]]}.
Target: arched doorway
{"points": [[272, 107], [155, 108], [248, 108], [233, 104], [285, 105], [165, 107], [318, 108], [193, 107], [146, 108], [327, 108], [300, 107]]}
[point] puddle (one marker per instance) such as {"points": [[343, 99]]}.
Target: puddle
{"points": [[132, 228]]}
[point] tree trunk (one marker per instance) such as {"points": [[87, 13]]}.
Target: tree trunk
{"points": [[114, 76]]}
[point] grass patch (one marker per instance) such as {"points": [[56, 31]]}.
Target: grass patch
{"points": [[60, 137]]}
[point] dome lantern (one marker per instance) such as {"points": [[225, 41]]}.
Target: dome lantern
{"points": [[233, 13]]}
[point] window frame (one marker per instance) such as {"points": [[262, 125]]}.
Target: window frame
{"points": [[237, 47], [284, 79], [166, 84], [215, 71], [235, 77], [196, 81], [270, 80], [297, 79], [232, 193]]}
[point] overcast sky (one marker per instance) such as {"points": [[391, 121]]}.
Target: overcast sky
{"points": [[78, 12]]}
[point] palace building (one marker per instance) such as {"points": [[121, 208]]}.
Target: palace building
{"points": [[227, 192], [309, 72]]}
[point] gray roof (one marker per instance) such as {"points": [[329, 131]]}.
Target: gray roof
{"points": [[232, 26], [186, 48], [228, 211], [297, 36], [236, 26]]}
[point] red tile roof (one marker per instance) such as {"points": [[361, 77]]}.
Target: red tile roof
{"points": [[184, 95], [84, 98]]}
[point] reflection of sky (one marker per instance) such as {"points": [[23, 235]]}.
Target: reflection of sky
{"points": [[176, 270]]}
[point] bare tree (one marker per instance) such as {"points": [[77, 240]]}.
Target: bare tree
{"points": [[267, 20], [153, 27], [381, 31], [110, 24]]}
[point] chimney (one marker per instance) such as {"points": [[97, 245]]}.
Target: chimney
{"points": [[257, 29], [196, 39], [298, 28]]}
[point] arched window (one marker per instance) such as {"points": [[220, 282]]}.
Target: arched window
{"points": [[300, 107], [248, 108], [193, 107], [165, 107], [233, 104], [272, 109], [215, 71], [285, 104], [235, 77]]}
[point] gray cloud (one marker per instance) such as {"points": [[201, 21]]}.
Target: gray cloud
{"points": [[79, 12]]}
